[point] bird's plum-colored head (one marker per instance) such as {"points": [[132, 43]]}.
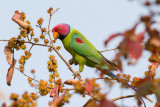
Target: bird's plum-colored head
{"points": [[62, 29]]}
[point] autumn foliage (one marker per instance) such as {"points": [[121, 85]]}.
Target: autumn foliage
{"points": [[130, 48]]}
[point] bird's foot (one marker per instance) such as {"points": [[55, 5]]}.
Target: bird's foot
{"points": [[72, 61], [77, 73]]}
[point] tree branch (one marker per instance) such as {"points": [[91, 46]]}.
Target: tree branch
{"points": [[4, 40], [128, 96], [122, 97]]}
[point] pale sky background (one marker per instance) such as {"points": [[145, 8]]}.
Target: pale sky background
{"points": [[96, 19]]}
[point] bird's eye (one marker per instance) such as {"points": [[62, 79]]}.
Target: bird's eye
{"points": [[60, 28]]}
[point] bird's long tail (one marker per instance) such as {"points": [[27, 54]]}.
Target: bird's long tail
{"points": [[113, 66], [116, 77], [112, 75]]}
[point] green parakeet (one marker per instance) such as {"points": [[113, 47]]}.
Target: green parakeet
{"points": [[82, 51]]}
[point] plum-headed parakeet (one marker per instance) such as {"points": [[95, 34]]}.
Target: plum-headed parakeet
{"points": [[82, 51]]}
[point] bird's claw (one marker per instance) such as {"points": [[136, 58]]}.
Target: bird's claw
{"points": [[72, 61], [77, 73]]}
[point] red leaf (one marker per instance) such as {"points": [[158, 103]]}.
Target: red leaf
{"points": [[55, 102], [131, 44], [10, 72], [16, 16], [54, 92], [135, 49], [112, 36], [89, 86], [154, 67], [135, 26], [140, 36], [7, 52], [106, 103], [157, 104]]}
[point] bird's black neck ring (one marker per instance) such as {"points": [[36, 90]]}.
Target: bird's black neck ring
{"points": [[61, 37]]}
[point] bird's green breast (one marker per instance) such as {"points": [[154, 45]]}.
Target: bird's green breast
{"points": [[66, 41]]}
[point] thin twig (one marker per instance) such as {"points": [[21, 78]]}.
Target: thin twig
{"points": [[30, 48], [28, 76], [122, 97], [49, 24], [27, 37], [49, 30], [128, 96], [143, 102], [55, 11], [105, 78], [68, 89], [109, 50], [4, 40]]}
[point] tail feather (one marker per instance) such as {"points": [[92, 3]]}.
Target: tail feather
{"points": [[116, 77], [109, 73], [110, 64]]}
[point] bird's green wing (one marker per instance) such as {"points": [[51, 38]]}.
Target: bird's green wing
{"points": [[83, 47]]}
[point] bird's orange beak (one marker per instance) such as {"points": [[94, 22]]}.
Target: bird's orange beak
{"points": [[55, 35]]}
